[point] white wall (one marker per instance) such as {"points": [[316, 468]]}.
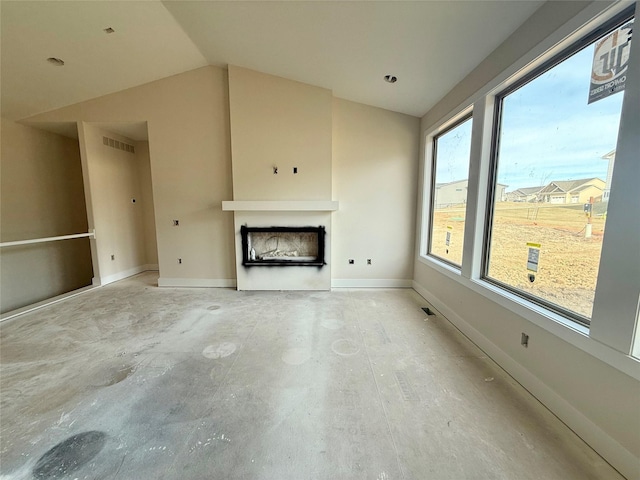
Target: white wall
{"points": [[41, 196], [375, 160], [562, 367]]}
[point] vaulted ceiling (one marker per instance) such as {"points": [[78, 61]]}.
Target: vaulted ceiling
{"points": [[347, 47]]}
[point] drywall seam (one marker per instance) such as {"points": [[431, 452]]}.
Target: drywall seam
{"points": [[197, 282], [370, 283], [605, 445]]}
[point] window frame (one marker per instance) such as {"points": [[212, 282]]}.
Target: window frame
{"points": [[457, 120], [613, 336], [496, 129]]}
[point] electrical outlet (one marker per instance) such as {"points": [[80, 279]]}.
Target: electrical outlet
{"points": [[351, 261], [524, 340], [368, 261], [295, 170], [113, 257], [176, 223], [180, 261]]}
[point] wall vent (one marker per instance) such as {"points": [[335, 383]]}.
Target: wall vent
{"points": [[118, 145]]}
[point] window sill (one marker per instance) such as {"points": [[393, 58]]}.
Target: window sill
{"points": [[562, 327]]}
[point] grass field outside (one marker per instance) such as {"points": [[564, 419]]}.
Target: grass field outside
{"points": [[568, 265]]}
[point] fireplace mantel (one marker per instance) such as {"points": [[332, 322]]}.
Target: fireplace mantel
{"points": [[280, 206]]}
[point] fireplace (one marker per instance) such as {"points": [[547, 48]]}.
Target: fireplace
{"points": [[297, 217], [283, 246]]}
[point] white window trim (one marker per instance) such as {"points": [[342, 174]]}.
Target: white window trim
{"points": [[482, 104], [458, 118]]}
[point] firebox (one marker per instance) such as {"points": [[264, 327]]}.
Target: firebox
{"points": [[283, 246]]}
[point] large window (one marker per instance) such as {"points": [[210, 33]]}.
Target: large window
{"points": [[553, 158], [450, 169]]}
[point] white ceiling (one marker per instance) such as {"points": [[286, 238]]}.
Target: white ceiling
{"points": [[347, 47], [147, 45]]}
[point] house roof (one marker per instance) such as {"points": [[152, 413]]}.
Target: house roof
{"points": [[566, 186], [528, 190], [584, 187], [610, 155], [439, 185]]}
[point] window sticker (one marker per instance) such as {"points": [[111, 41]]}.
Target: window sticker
{"points": [[533, 257], [610, 63]]}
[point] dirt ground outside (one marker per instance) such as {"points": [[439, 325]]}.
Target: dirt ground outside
{"points": [[568, 263]]}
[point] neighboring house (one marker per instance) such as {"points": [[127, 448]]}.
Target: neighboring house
{"points": [[455, 193], [451, 193], [525, 194], [611, 157], [572, 191], [501, 196]]}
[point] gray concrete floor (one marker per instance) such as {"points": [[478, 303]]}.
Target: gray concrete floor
{"points": [[130, 381]]}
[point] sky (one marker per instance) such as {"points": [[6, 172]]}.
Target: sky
{"points": [[549, 131]]}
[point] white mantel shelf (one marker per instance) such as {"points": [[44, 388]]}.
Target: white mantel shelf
{"points": [[280, 206]]}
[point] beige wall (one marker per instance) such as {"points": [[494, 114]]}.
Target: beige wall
{"points": [[276, 122], [596, 400], [279, 122], [189, 147], [42, 195], [273, 121], [115, 181], [146, 196], [375, 160]]}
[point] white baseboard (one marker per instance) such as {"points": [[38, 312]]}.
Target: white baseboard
{"points": [[197, 282], [44, 303], [605, 445], [123, 274], [95, 282], [231, 283], [370, 283]]}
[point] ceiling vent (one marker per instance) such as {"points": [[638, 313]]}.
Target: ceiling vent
{"points": [[118, 145]]}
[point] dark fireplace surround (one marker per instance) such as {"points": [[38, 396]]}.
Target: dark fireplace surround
{"points": [[283, 246]]}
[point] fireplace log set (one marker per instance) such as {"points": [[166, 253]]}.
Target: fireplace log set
{"points": [[283, 246]]}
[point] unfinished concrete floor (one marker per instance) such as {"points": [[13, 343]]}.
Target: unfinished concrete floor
{"points": [[131, 381]]}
